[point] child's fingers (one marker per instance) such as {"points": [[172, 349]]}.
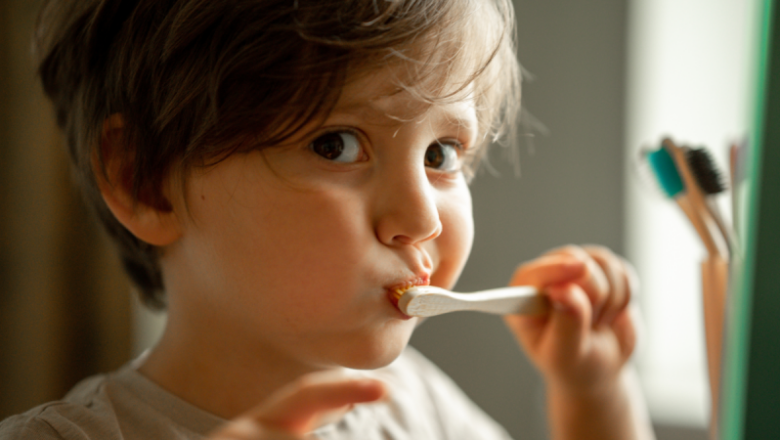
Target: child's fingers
{"points": [[299, 406], [555, 337], [569, 320], [295, 410], [615, 270], [594, 281], [632, 278], [548, 270], [248, 429]]}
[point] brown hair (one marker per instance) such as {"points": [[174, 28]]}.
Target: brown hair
{"points": [[198, 80]]}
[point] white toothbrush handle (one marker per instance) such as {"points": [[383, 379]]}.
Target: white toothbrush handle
{"points": [[431, 301]]}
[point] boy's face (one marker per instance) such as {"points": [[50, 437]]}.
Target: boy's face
{"points": [[292, 251]]}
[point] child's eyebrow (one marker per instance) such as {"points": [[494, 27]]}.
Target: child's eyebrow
{"points": [[375, 113]]}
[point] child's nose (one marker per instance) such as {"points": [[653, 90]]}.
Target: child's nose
{"points": [[407, 209]]}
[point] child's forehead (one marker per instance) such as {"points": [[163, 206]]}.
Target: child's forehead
{"points": [[379, 97]]}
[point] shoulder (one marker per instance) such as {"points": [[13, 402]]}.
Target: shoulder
{"points": [[122, 405], [83, 414], [53, 420], [27, 426]]}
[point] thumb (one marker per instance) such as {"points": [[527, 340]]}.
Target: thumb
{"points": [[298, 407], [569, 319]]}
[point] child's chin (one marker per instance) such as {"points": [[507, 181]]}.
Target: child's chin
{"points": [[372, 363], [373, 357]]}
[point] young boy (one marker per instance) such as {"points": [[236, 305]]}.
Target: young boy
{"points": [[271, 170]]}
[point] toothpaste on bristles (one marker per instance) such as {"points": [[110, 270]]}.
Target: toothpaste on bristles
{"points": [[397, 293]]}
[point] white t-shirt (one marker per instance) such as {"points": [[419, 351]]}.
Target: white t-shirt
{"points": [[424, 404]]}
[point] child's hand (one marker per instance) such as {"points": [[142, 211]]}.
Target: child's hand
{"points": [[295, 410], [589, 334]]}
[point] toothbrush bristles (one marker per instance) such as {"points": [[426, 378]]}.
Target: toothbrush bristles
{"points": [[397, 293], [706, 172]]}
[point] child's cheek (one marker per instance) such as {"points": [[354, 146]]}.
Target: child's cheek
{"points": [[453, 246]]}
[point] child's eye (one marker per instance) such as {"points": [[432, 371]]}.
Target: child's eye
{"points": [[338, 146], [442, 156]]}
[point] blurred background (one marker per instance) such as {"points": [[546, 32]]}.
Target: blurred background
{"points": [[606, 78]]}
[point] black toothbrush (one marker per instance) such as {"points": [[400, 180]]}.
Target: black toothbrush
{"points": [[710, 182]]}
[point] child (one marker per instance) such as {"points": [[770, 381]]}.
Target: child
{"points": [[271, 170]]}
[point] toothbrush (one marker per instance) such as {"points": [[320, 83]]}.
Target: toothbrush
{"points": [[677, 180], [673, 171], [715, 269], [424, 301], [710, 182]]}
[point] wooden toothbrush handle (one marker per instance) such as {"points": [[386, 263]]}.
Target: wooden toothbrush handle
{"points": [[714, 278]]}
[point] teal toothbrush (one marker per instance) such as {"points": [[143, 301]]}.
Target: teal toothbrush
{"points": [[671, 181]]}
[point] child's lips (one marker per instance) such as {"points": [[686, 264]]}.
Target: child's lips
{"points": [[395, 291], [391, 296]]}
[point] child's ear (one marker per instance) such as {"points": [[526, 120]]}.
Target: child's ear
{"points": [[152, 224]]}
